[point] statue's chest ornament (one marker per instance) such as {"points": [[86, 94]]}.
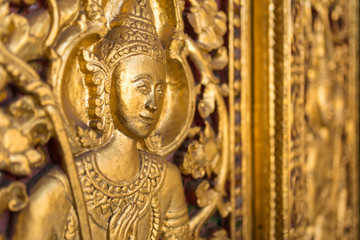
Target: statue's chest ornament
{"points": [[104, 197]]}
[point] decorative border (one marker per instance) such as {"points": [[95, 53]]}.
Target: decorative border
{"points": [[231, 77], [240, 118], [354, 76], [246, 122], [262, 64], [279, 99], [297, 168]]}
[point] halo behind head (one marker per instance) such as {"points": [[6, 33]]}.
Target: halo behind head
{"points": [[71, 83]]}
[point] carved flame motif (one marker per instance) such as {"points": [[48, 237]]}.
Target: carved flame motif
{"points": [[99, 110]]}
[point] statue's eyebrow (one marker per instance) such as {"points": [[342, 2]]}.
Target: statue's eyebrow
{"points": [[142, 76], [162, 82]]}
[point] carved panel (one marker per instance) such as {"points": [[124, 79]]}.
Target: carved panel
{"points": [[104, 103], [306, 82], [181, 119], [323, 172]]}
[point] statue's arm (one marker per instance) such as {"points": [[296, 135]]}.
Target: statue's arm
{"points": [[45, 216], [176, 224]]}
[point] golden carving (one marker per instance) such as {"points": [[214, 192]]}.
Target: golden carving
{"points": [[23, 126], [306, 98], [328, 81], [107, 107], [118, 96], [123, 107]]}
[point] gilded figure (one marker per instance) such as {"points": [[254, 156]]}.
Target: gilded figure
{"points": [[104, 94], [129, 193]]}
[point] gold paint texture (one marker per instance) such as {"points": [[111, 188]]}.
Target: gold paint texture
{"points": [[116, 95], [309, 181], [155, 119]]}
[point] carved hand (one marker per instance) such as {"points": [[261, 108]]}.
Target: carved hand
{"points": [[122, 221]]}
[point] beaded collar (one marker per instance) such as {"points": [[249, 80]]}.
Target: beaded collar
{"points": [[100, 191]]}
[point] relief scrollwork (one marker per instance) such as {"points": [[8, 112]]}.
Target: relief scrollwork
{"points": [[23, 127], [202, 156], [322, 197], [207, 154], [327, 80], [115, 88]]}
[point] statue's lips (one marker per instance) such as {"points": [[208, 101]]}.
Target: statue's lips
{"points": [[147, 120]]}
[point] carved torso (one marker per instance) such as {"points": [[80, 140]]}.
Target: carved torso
{"points": [[148, 190], [104, 197]]}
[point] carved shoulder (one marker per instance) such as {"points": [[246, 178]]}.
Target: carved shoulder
{"points": [[176, 224], [171, 181], [173, 184], [49, 195], [173, 178]]}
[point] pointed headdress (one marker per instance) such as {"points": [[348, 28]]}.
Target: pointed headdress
{"points": [[132, 32]]}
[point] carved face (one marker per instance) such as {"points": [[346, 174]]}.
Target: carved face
{"points": [[137, 95]]}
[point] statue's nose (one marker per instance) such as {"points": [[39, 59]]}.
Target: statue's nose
{"points": [[151, 104]]}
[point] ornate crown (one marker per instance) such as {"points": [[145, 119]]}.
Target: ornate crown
{"points": [[132, 32]]}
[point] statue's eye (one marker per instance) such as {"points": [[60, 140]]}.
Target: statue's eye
{"points": [[159, 92], [144, 89]]}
